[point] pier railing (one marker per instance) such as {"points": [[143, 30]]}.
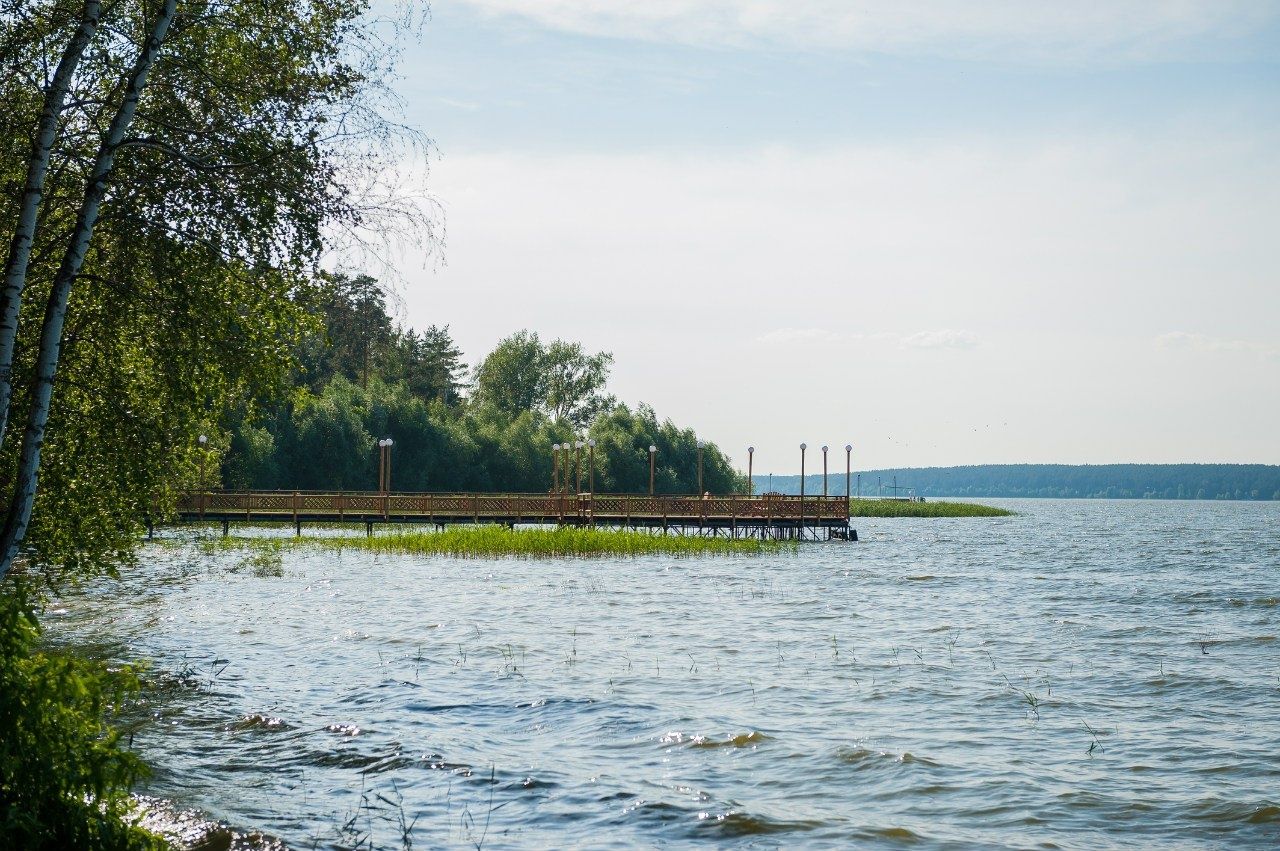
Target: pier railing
{"points": [[513, 507]]}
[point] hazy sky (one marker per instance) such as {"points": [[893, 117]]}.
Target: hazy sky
{"points": [[947, 232]]}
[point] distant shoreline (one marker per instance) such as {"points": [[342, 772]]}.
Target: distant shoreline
{"points": [[1188, 482]]}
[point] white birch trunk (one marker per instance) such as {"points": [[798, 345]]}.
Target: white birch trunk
{"points": [[24, 489], [15, 267]]}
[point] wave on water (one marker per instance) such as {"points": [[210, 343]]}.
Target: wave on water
{"points": [[734, 823], [1248, 812], [860, 756]]}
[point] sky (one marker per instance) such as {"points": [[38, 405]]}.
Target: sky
{"points": [[994, 231]]}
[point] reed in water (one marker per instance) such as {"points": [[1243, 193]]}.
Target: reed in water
{"points": [[499, 541], [904, 508]]}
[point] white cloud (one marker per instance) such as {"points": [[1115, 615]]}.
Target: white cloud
{"points": [[947, 338], [1205, 343], [1033, 28], [800, 337]]}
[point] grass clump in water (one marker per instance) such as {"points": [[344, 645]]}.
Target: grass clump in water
{"points": [[500, 541], [903, 508]]}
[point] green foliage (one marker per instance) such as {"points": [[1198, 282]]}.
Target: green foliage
{"points": [[430, 365], [358, 336], [558, 379], [623, 439], [251, 457], [510, 379], [499, 541], [328, 442], [64, 776], [904, 508], [574, 383]]}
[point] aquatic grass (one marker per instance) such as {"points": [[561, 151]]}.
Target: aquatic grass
{"points": [[905, 508], [501, 542]]}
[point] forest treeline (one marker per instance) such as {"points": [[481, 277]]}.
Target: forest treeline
{"points": [[360, 378], [1062, 481]]}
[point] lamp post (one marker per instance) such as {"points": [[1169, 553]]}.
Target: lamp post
{"points": [[203, 439], [848, 469], [577, 477], [555, 467], [384, 464], [824, 471], [803, 447], [652, 450], [566, 466], [751, 485], [700, 445], [591, 465]]}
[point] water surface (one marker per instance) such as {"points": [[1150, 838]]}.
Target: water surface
{"points": [[1085, 674]]}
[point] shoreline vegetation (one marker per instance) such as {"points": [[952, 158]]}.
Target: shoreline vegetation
{"points": [[903, 508], [500, 542]]}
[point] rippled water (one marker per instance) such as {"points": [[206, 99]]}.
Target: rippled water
{"points": [[1085, 674]]}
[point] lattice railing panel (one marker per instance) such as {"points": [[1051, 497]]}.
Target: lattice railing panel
{"points": [[515, 506]]}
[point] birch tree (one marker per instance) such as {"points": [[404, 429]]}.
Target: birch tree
{"points": [[24, 490], [42, 145], [240, 140]]}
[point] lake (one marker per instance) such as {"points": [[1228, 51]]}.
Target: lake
{"points": [[1084, 674]]}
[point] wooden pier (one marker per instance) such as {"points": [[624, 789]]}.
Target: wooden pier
{"points": [[770, 515]]}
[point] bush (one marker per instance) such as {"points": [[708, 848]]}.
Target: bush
{"points": [[64, 777]]}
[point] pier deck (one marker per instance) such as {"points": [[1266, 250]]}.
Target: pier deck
{"points": [[773, 515]]}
